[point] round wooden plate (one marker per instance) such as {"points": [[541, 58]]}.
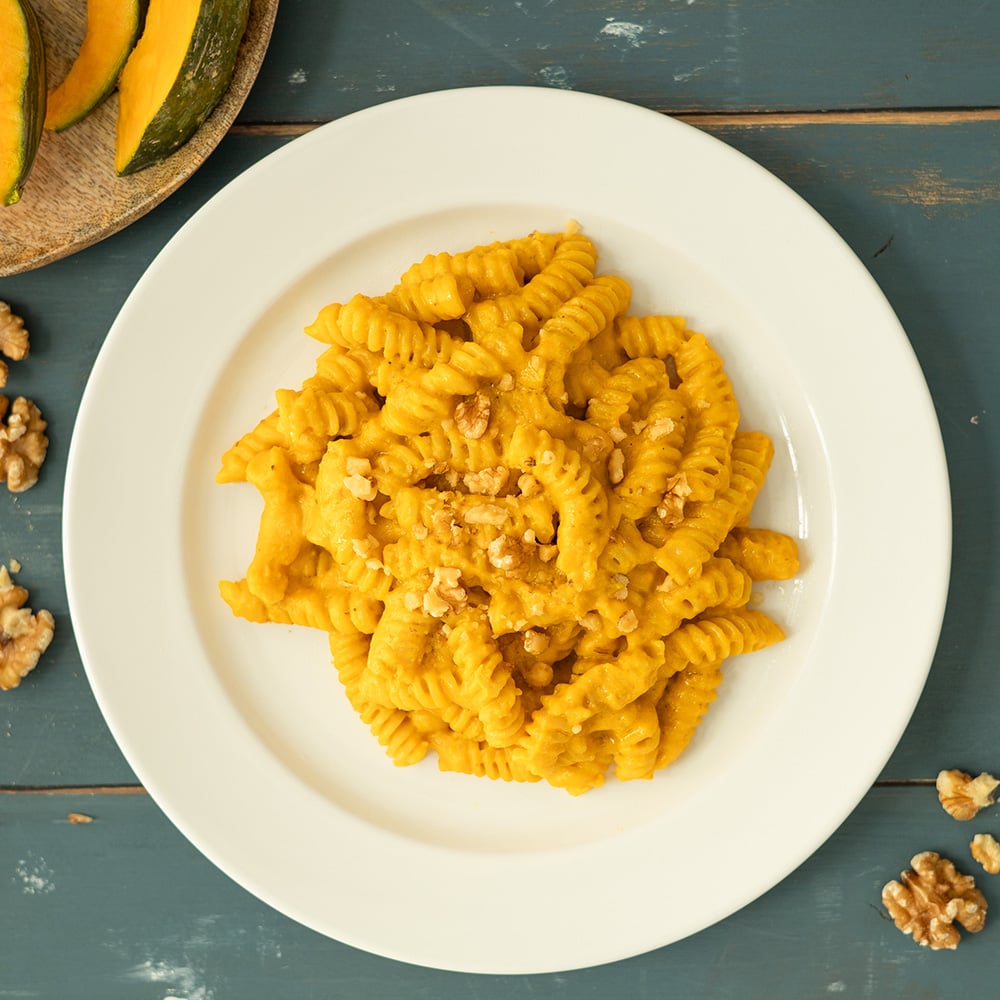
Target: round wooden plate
{"points": [[73, 198]]}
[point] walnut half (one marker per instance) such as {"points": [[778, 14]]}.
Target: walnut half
{"points": [[23, 443], [930, 898], [962, 796], [13, 339], [23, 636], [472, 416]]}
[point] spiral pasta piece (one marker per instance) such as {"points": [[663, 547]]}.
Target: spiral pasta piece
{"points": [[521, 513]]}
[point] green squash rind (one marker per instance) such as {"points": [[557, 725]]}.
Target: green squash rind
{"points": [[32, 104], [215, 43]]}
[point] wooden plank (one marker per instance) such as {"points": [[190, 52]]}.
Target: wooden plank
{"points": [[919, 205], [327, 61], [123, 908]]}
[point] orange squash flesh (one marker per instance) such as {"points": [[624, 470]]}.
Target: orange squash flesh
{"points": [[22, 95], [174, 77], [112, 28]]}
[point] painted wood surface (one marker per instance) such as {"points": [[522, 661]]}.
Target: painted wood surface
{"points": [[906, 171], [328, 59], [123, 908]]}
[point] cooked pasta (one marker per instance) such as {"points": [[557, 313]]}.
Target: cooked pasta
{"points": [[521, 513]]}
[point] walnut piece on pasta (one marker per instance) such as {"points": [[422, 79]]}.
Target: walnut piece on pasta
{"points": [[472, 416], [24, 635], [930, 898]]}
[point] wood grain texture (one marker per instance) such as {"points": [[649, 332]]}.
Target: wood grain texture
{"points": [[73, 197], [328, 60], [128, 910]]}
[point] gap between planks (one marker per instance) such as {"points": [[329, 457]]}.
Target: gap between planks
{"points": [[742, 119], [140, 790], [72, 790]]}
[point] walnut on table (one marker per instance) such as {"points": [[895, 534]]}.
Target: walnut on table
{"points": [[930, 898], [13, 339], [23, 444], [963, 796], [986, 851], [24, 635]]}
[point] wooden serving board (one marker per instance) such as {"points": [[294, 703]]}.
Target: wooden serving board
{"points": [[73, 198]]}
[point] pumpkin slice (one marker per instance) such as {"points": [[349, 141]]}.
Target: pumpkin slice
{"points": [[22, 95], [175, 76], [112, 28]]}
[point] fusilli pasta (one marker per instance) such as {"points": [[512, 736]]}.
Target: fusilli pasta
{"points": [[521, 514]]}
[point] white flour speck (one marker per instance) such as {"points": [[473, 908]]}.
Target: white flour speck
{"points": [[297, 77], [35, 876], [555, 76], [181, 980], [628, 31]]}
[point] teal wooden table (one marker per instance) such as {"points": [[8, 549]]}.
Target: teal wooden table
{"points": [[886, 118]]}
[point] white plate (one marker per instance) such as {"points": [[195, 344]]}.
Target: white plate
{"points": [[241, 733]]}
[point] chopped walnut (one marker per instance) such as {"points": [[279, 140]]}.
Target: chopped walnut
{"points": [[472, 416], [13, 339], [661, 428], [358, 481], [486, 513], [616, 466], [446, 528], [488, 482], [24, 636], [986, 851], [535, 642], [360, 487], [962, 795], [446, 593], [628, 622], [365, 548], [596, 446], [528, 485], [23, 443], [670, 509], [507, 554], [930, 898]]}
